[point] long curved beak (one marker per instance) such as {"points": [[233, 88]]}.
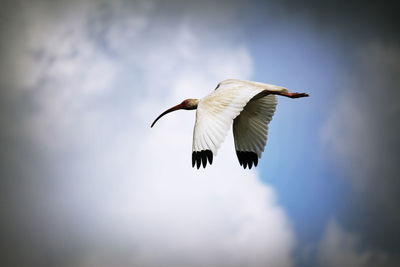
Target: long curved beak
{"points": [[177, 107]]}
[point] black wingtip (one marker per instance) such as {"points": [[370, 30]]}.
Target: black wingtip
{"points": [[194, 158], [201, 157], [247, 158], [209, 156], [204, 159], [198, 160]]}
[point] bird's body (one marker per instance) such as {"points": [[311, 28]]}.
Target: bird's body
{"points": [[249, 106]]}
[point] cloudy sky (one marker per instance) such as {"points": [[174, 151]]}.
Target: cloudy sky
{"points": [[86, 182]]}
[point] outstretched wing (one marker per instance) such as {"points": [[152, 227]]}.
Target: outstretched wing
{"points": [[250, 129], [215, 115]]}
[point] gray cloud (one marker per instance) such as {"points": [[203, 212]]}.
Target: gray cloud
{"points": [[340, 248], [363, 131], [350, 21]]}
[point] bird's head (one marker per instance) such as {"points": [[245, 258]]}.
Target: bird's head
{"points": [[187, 104]]}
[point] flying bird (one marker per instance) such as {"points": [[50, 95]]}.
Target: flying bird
{"points": [[248, 105]]}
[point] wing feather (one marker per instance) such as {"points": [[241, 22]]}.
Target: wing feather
{"points": [[217, 111], [250, 129]]}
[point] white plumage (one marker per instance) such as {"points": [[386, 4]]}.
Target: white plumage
{"points": [[249, 106]]}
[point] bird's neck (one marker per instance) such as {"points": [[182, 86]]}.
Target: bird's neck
{"points": [[193, 103]]}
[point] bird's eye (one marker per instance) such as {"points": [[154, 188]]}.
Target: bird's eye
{"points": [[185, 102]]}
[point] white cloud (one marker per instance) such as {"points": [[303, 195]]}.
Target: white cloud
{"points": [[126, 186]]}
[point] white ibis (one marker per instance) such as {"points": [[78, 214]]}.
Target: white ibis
{"points": [[249, 106]]}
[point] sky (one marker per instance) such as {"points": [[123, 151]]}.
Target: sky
{"points": [[86, 182]]}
